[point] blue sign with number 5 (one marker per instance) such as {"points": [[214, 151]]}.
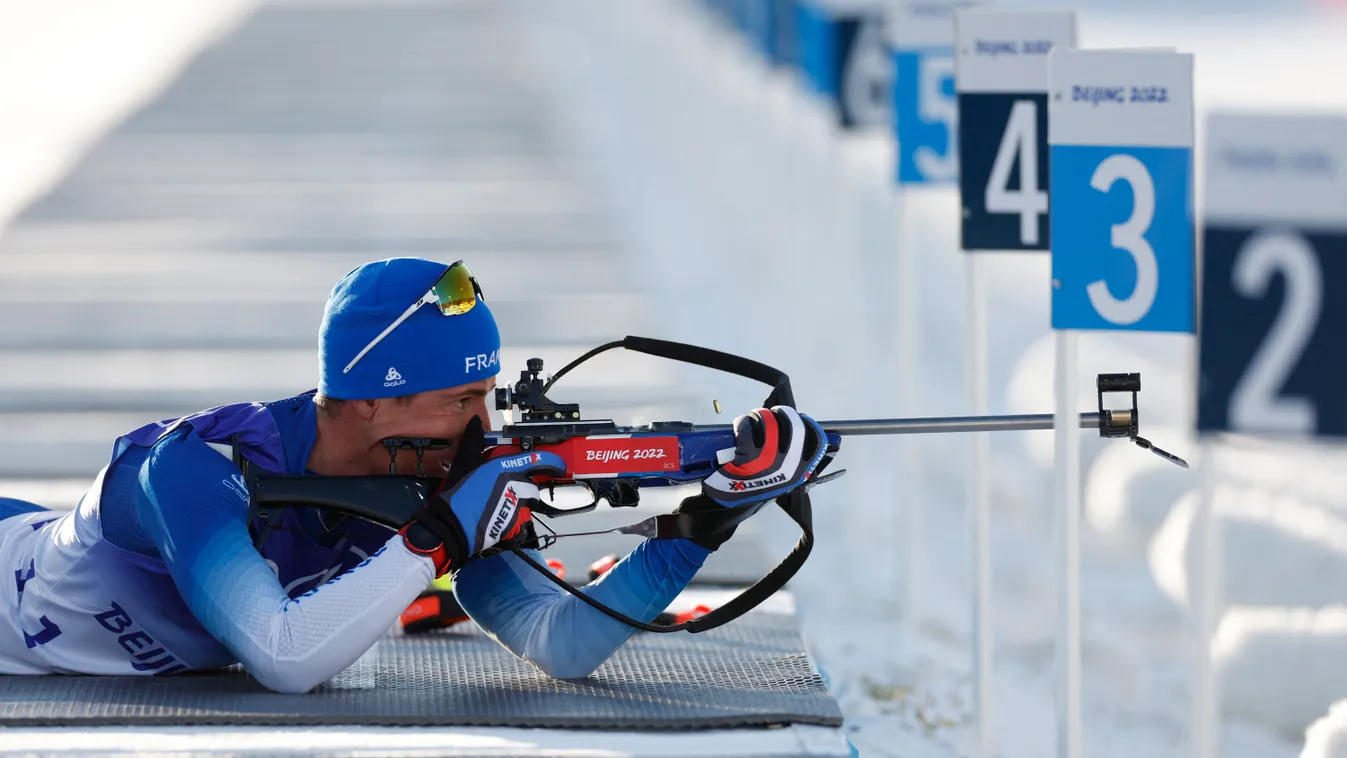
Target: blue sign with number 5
{"points": [[926, 116], [1121, 155], [925, 106]]}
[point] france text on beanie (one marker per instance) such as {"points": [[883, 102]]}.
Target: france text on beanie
{"points": [[428, 351]]}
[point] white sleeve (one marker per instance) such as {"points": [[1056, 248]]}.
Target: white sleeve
{"points": [[294, 645], [320, 633]]}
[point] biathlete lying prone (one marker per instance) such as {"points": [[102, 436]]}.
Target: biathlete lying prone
{"points": [[159, 570]]}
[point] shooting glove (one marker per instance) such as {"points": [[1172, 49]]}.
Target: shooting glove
{"points": [[479, 503], [775, 451]]}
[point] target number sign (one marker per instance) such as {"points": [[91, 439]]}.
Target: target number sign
{"points": [[1274, 241], [1001, 73], [1120, 134], [925, 114], [846, 60]]}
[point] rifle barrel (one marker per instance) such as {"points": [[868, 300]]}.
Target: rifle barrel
{"points": [[950, 424], [936, 425]]}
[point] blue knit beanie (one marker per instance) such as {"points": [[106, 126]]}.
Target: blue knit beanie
{"points": [[428, 351]]}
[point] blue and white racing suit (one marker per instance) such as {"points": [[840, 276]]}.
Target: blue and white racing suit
{"points": [[155, 572]]}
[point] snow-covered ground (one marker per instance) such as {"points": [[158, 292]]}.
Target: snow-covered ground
{"points": [[769, 233]]}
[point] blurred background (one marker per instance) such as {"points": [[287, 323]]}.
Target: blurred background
{"points": [[181, 184]]}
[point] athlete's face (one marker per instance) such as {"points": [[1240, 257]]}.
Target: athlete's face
{"points": [[441, 414]]}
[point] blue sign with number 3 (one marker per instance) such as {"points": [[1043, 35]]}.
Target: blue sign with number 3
{"points": [[1121, 171], [1122, 231]]}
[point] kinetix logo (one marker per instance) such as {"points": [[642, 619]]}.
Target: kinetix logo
{"points": [[756, 484], [523, 460], [504, 510]]}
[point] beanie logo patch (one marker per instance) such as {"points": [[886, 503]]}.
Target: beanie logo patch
{"points": [[393, 378], [481, 361]]}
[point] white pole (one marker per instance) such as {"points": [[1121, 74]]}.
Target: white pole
{"points": [[1206, 604], [1066, 503], [907, 357], [980, 502]]}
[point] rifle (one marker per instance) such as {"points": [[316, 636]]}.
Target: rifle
{"points": [[614, 462]]}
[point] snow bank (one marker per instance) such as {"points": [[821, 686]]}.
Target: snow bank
{"points": [[1327, 737], [1278, 550], [1129, 493], [1282, 667], [1127, 497], [1315, 472]]}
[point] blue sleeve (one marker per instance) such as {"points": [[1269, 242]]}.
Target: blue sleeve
{"points": [[560, 634], [195, 511], [194, 507]]}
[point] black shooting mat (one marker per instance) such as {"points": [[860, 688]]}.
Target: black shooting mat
{"points": [[751, 672]]}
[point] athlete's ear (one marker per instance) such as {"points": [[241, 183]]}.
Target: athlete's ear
{"points": [[365, 409]]}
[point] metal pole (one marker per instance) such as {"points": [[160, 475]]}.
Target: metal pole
{"points": [[907, 391], [1067, 506], [1205, 600], [979, 509]]}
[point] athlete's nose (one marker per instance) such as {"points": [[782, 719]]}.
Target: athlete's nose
{"points": [[481, 410]]}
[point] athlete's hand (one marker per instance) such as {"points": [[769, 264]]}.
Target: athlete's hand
{"points": [[776, 450], [480, 502]]}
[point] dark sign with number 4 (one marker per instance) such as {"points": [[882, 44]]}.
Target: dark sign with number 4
{"points": [[1001, 66], [1003, 182]]}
